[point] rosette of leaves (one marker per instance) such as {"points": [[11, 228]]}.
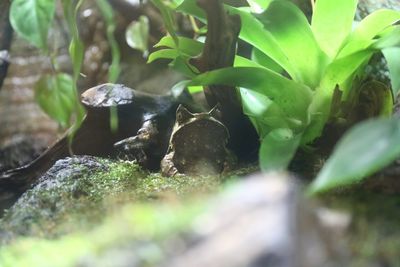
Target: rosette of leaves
{"points": [[288, 86]]}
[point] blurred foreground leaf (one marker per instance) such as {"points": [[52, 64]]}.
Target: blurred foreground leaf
{"points": [[365, 149]]}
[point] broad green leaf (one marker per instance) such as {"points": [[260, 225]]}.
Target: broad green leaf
{"points": [[55, 95], [32, 20], [190, 7], [291, 30], [277, 149], [293, 98], [389, 38], [392, 56], [332, 23], [265, 114], [365, 149], [258, 6], [181, 64], [368, 29], [137, 34], [265, 60], [163, 53], [337, 73], [254, 33], [185, 45], [245, 62], [375, 23]]}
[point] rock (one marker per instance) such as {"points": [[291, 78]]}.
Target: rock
{"points": [[64, 190], [260, 221], [263, 221], [20, 151]]}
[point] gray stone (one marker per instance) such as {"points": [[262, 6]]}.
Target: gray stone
{"points": [[263, 221]]}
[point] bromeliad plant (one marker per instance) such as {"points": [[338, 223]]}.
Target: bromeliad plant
{"points": [[297, 71]]}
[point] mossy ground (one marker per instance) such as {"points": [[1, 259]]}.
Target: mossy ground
{"points": [[123, 207], [374, 234], [133, 212]]}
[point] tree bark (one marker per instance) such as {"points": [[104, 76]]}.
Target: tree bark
{"points": [[219, 52]]}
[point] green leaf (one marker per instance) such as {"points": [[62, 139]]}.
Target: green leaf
{"points": [[293, 98], [389, 38], [253, 32], [368, 29], [195, 89], [137, 34], [108, 15], [365, 149], [190, 7], [375, 23], [258, 5], [32, 20], [181, 64], [55, 95], [265, 60], [245, 62], [337, 73], [392, 56], [332, 23], [168, 18], [185, 45], [264, 113], [277, 149], [163, 53], [291, 30]]}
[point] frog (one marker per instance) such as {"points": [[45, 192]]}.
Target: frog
{"points": [[145, 123], [197, 145]]}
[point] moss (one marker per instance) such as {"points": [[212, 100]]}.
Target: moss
{"points": [[141, 232], [374, 236], [79, 202]]}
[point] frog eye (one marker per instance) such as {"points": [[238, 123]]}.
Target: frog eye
{"points": [[182, 114]]}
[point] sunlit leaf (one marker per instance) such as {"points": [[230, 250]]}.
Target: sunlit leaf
{"points": [[258, 6], [55, 95], [185, 45], [32, 20], [337, 73], [293, 98], [389, 38], [366, 148], [253, 32], [163, 54], [265, 61], [137, 34], [291, 30], [332, 23], [245, 62], [195, 89], [265, 114], [375, 23], [277, 149]]}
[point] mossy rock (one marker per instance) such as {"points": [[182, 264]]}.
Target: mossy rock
{"points": [[76, 193]]}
